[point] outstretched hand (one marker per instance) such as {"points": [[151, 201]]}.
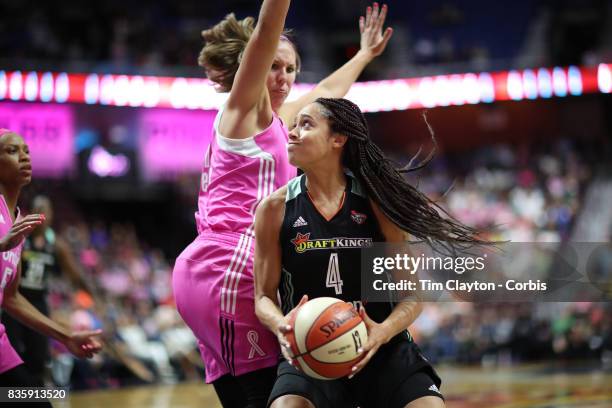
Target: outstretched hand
{"points": [[373, 39], [83, 344], [19, 230]]}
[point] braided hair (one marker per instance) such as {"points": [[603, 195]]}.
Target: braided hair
{"points": [[404, 205]]}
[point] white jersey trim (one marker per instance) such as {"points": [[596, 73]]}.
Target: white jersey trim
{"points": [[244, 147]]}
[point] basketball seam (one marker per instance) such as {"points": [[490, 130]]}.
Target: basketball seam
{"points": [[331, 363]]}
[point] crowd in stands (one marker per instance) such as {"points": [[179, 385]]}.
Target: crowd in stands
{"points": [[164, 37], [520, 195]]}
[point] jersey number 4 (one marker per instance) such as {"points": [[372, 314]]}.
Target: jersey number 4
{"points": [[333, 279]]}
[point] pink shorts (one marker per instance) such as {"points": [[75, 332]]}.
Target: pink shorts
{"points": [[214, 292]]}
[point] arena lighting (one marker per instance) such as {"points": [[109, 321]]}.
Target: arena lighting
{"points": [[374, 96], [104, 164]]}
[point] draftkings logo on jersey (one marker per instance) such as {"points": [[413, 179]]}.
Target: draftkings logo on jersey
{"points": [[303, 243]]}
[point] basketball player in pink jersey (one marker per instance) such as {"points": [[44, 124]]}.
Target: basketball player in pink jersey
{"points": [[16, 172], [245, 162]]}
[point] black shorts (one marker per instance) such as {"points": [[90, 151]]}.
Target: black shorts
{"points": [[397, 374]]}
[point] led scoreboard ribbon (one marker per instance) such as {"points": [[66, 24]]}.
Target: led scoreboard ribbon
{"points": [[373, 96]]}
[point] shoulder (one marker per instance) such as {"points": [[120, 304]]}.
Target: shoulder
{"points": [[270, 214], [276, 200]]}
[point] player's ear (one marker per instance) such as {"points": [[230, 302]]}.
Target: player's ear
{"points": [[339, 140]]}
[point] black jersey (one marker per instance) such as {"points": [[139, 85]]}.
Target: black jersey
{"points": [[323, 258], [39, 261]]}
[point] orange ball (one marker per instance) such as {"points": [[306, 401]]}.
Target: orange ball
{"points": [[326, 335]]}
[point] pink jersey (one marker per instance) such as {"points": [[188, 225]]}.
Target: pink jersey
{"points": [[8, 270], [237, 174], [213, 276]]}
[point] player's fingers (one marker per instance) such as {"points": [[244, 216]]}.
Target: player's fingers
{"points": [[288, 356], [380, 21], [22, 230], [375, 11], [387, 36], [284, 328], [38, 219], [89, 333], [361, 24], [32, 217], [282, 340], [359, 366], [30, 223], [368, 17], [303, 300], [364, 316]]}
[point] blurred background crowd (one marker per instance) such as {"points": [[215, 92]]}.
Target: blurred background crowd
{"points": [[437, 36]]}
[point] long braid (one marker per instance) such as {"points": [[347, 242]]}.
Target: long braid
{"points": [[408, 208]]}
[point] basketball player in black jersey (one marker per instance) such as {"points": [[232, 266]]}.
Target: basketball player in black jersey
{"points": [[309, 234], [44, 254]]}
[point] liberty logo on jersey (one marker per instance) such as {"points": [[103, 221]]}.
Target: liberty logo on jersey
{"points": [[358, 217], [303, 243]]}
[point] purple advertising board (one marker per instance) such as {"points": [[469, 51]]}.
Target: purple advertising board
{"points": [[172, 142], [49, 132]]}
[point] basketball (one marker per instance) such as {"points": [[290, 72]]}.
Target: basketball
{"points": [[327, 333]]}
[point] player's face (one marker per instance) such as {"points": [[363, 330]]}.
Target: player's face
{"points": [[282, 75], [14, 160], [311, 141]]}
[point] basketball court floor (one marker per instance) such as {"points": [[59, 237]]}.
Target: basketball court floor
{"points": [[513, 387]]}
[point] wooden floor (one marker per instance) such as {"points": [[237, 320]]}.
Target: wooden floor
{"points": [[516, 387]]}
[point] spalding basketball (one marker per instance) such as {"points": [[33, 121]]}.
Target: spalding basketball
{"points": [[327, 333]]}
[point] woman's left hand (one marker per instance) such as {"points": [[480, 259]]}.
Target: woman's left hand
{"points": [[84, 344], [377, 336], [373, 39]]}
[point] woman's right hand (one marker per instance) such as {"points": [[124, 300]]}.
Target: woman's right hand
{"points": [[284, 327], [19, 230]]}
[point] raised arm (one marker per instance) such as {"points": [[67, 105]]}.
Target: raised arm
{"points": [[336, 85], [248, 108]]}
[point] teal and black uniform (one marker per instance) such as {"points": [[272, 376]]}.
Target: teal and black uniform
{"points": [[321, 257]]}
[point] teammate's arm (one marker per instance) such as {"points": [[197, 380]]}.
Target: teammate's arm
{"points": [[68, 265], [248, 106], [336, 85], [404, 313], [81, 344]]}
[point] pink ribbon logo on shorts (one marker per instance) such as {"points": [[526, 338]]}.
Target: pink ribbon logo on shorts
{"points": [[253, 337]]}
